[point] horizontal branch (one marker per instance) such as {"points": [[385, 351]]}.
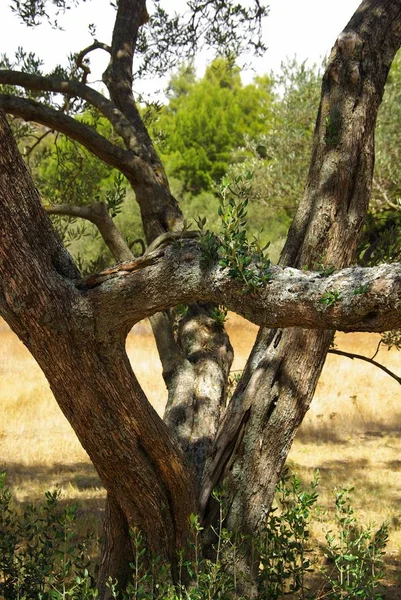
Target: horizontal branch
{"points": [[80, 90], [113, 155], [353, 299]]}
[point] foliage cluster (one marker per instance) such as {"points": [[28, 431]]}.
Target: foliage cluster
{"points": [[279, 156], [246, 260], [215, 126], [275, 149], [210, 127], [206, 119], [40, 558], [354, 554]]}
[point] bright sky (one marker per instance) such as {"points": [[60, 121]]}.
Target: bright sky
{"points": [[307, 29]]}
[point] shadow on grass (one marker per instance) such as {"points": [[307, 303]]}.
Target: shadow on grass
{"points": [[394, 465], [345, 473], [310, 434], [80, 475], [391, 590], [336, 432], [79, 484]]}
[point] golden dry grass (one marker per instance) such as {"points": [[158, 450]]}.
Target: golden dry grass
{"points": [[351, 433]]}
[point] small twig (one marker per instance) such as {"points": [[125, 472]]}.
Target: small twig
{"points": [[351, 355], [382, 190], [81, 55], [37, 142], [377, 349]]}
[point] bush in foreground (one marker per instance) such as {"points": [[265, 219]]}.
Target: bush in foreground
{"points": [[40, 558]]}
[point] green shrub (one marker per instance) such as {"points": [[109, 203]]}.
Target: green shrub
{"points": [[285, 556], [40, 558], [355, 554]]}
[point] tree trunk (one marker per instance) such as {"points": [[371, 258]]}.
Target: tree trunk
{"points": [[197, 389], [117, 549], [144, 471], [196, 355], [281, 375], [90, 377]]}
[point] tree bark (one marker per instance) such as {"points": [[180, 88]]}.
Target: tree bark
{"points": [[197, 360], [351, 299], [282, 373], [190, 384], [90, 376], [76, 328]]}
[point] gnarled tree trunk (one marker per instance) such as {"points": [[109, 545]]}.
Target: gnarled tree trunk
{"points": [[281, 375], [140, 465], [76, 329]]}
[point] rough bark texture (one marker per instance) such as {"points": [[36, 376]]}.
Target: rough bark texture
{"points": [[117, 550], [76, 328], [351, 299], [90, 376], [282, 373], [188, 382], [198, 390]]}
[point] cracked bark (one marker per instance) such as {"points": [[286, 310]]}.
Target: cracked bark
{"points": [[189, 384], [90, 377], [191, 377], [280, 379], [76, 332], [159, 210], [188, 381]]}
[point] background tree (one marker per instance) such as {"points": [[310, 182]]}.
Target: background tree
{"points": [[204, 120], [76, 327], [279, 157]]}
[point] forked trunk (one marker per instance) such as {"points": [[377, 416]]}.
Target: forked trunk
{"points": [[143, 468]]}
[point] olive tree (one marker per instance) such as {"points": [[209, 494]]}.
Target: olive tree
{"points": [[159, 471]]}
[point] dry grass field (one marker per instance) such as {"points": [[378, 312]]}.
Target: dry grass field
{"points": [[351, 433]]}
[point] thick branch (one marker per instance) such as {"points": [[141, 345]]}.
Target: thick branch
{"points": [[77, 89], [353, 299], [113, 155], [126, 440], [97, 213], [281, 375], [131, 14]]}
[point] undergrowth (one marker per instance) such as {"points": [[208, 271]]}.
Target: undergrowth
{"points": [[40, 558]]}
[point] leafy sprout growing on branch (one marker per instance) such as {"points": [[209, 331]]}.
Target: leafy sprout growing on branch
{"points": [[245, 259]]}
